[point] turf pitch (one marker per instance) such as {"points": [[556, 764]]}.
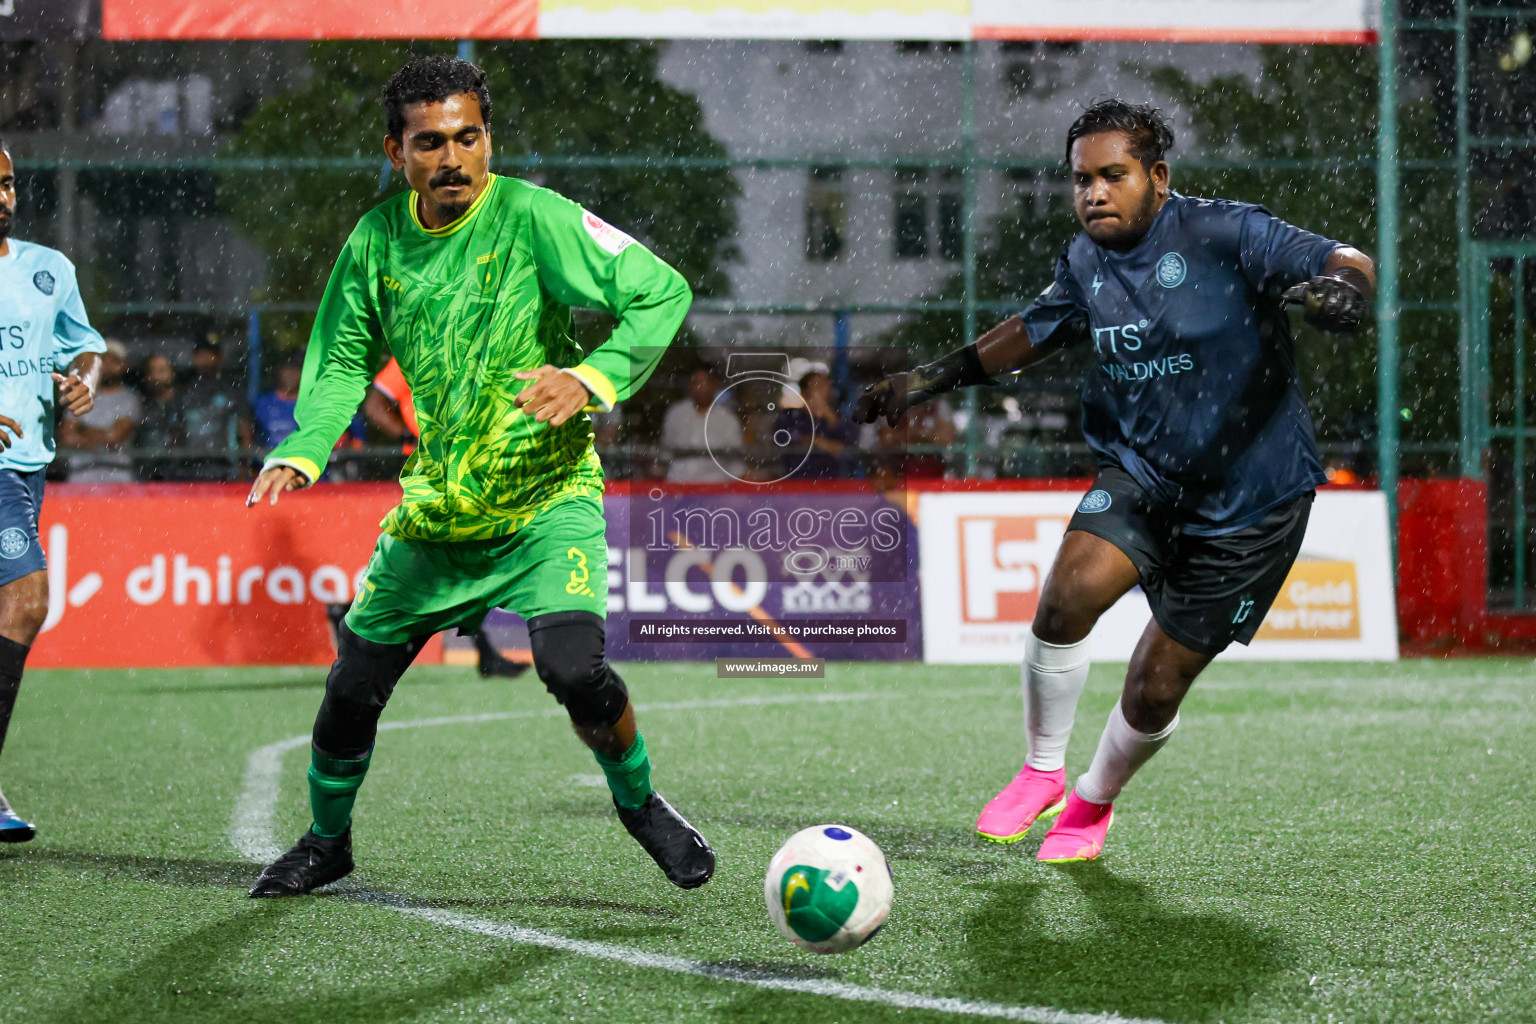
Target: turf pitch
{"points": [[1318, 843]]}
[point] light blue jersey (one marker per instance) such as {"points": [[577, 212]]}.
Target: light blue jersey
{"points": [[43, 328]]}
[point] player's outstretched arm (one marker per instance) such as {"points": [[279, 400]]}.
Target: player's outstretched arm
{"points": [[1054, 318], [1338, 299], [891, 397], [1003, 350], [344, 348], [274, 482]]}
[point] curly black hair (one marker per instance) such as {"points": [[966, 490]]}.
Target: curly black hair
{"points": [[1141, 123], [432, 80]]}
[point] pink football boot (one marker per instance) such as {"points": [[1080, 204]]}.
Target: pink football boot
{"points": [[1079, 833], [1032, 795]]}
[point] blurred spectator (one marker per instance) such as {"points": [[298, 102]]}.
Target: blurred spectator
{"points": [[761, 401], [607, 427], [760, 410], [273, 411], [390, 409], [214, 416], [619, 461], [930, 424], [160, 426], [816, 426], [96, 439], [689, 433]]}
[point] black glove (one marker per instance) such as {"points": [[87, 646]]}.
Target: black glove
{"points": [[891, 396], [885, 397], [1336, 303]]}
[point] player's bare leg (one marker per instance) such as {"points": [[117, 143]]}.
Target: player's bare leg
{"points": [[1090, 575], [23, 607], [612, 740], [1160, 674]]}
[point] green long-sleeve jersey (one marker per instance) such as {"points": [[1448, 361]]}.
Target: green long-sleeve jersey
{"points": [[464, 308]]}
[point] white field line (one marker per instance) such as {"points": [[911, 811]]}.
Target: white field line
{"points": [[1389, 684], [722, 972], [251, 834]]}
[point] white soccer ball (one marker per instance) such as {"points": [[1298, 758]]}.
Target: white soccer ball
{"points": [[828, 889]]}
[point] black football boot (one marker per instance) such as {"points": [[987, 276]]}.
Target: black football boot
{"points": [[676, 846], [493, 663], [314, 861]]}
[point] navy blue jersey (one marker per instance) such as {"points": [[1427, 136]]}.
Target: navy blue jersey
{"points": [[1195, 392]]}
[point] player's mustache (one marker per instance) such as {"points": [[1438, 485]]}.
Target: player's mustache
{"points": [[449, 177]]}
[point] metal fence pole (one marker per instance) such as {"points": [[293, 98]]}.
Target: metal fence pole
{"points": [[253, 355], [1520, 529], [1473, 411], [842, 341], [968, 244], [1387, 186]]}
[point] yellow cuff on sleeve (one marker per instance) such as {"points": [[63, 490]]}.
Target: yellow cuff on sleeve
{"points": [[310, 471], [604, 395]]}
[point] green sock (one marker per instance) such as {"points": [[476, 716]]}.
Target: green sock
{"points": [[629, 776], [333, 785]]}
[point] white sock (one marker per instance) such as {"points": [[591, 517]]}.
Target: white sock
{"points": [[4, 805], [1054, 675], [1122, 750]]}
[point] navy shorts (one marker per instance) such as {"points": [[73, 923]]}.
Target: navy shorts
{"points": [[21, 502], [1205, 592]]}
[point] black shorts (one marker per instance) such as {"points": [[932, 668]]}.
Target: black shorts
{"points": [[1205, 592]]}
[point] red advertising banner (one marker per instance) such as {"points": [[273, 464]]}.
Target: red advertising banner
{"points": [[329, 19], [1231, 21], [185, 574], [166, 575]]}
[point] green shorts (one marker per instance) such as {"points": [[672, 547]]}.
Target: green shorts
{"points": [[557, 563]]}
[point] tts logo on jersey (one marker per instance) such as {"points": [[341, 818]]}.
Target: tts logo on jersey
{"points": [[1117, 339]]}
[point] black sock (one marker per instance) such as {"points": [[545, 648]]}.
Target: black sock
{"points": [[13, 659]]}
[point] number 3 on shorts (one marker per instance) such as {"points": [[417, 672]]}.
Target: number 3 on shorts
{"points": [[579, 575]]}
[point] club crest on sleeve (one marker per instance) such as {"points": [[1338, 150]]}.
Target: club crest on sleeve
{"points": [[1095, 501], [14, 542], [1171, 270], [610, 238], [43, 281]]}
